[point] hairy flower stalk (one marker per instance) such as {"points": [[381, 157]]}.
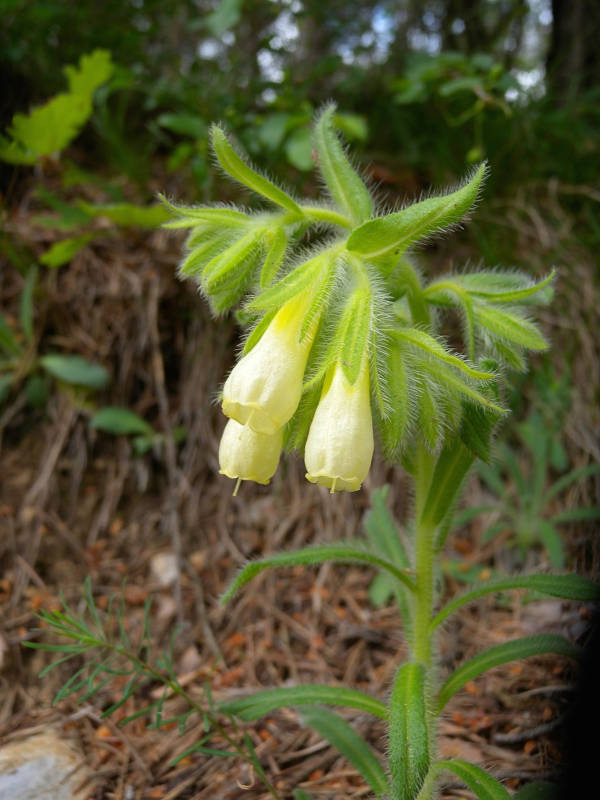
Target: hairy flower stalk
{"points": [[245, 455], [264, 388], [339, 447]]}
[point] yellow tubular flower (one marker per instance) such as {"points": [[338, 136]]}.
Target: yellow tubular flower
{"points": [[263, 389], [339, 447], [248, 456]]}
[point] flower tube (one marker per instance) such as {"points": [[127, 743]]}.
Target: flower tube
{"points": [[248, 456], [339, 447], [263, 389]]}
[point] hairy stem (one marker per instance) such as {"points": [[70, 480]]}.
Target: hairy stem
{"points": [[423, 647]]}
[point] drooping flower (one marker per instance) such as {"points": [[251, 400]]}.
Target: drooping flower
{"points": [[248, 456], [263, 389], [339, 447]]}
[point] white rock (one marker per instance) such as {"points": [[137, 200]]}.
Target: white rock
{"points": [[164, 568], [42, 767]]}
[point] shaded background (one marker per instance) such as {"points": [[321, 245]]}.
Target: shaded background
{"points": [[424, 90]]}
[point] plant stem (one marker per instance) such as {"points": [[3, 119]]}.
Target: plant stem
{"points": [[424, 559], [326, 215], [422, 647]]}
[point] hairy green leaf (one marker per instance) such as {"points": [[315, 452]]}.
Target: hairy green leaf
{"points": [[452, 466], [571, 587], [350, 744], [315, 554], [355, 338], [231, 162], [189, 216], [502, 654], [408, 734], [274, 258], [260, 703], [345, 186], [478, 780], [511, 327], [395, 232]]}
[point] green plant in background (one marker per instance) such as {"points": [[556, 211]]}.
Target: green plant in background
{"points": [[48, 129], [465, 87], [20, 363], [113, 655], [346, 336], [524, 502]]}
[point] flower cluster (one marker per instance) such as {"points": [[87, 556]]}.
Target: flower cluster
{"points": [[262, 393], [345, 338]]}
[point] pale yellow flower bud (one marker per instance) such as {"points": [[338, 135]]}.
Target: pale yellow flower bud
{"points": [[339, 447], [248, 456], [263, 389]]}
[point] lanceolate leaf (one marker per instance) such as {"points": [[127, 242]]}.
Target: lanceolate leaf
{"points": [[385, 538], [203, 253], [395, 232], [188, 216], [231, 266], [490, 286], [513, 328], [345, 739], [428, 344], [408, 735], [478, 780], [238, 169], [317, 554], [76, 370], [120, 421], [345, 186], [260, 703], [571, 587], [502, 654], [275, 255], [312, 271], [356, 333], [453, 464], [566, 480]]}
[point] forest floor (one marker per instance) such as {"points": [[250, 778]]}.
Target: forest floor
{"points": [[75, 502]]}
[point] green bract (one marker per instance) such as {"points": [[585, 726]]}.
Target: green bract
{"points": [[364, 302]]}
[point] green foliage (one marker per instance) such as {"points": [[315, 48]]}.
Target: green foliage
{"points": [[106, 657], [346, 188], [124, 422], [64, 251], [572, 587], [409, 732], [480, 782], [317, 554], [503, 654], [525, 495], [260, 703], [48, 129], [75, 370], [345, 739], [395, 232]]}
